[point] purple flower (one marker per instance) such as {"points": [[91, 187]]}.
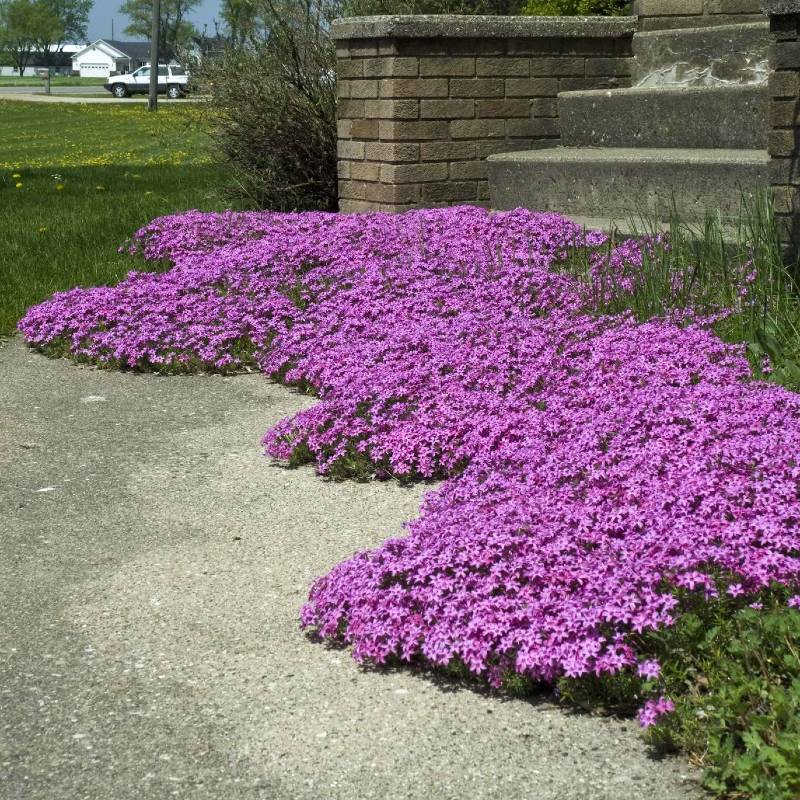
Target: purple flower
{"points": [[653, 710], [593, 465], [649, 669]]}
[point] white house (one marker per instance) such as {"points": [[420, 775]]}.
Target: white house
{"points": [[105, 57], [61, 63]]}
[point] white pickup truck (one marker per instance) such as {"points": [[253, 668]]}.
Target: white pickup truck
{"points": [[172, 80]]}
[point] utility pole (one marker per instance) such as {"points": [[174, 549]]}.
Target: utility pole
{"points": [[155, 35]]}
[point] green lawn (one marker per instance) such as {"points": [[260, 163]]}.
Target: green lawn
{"points": [[118, 166]]}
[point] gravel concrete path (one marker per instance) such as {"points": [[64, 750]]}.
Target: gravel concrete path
{"points": [[152, 563]]}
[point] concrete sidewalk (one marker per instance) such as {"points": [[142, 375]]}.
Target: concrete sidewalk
{"points": [[152, 564], [31, 97]]}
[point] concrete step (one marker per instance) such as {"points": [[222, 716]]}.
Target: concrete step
{"points": [[710, 56], [628, 183], [634, 229], [725, 116]]}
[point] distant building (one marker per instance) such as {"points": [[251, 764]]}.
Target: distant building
{"points": [[100, 59], [61, 62], [105, 57]]}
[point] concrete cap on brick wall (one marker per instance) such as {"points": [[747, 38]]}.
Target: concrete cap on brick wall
{"points": [[776, 7], [427, 26]]}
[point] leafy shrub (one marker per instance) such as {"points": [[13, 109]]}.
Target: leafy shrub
{"points": [[732, 667], [273, 108], [567, 8], [737, 685]]}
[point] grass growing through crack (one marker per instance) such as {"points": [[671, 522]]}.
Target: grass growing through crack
{"points": [[709, 268]]}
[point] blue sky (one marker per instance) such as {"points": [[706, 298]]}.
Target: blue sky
{"points": [[106, 10]]}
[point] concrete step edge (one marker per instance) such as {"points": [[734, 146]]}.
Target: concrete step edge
{"points": [[733, 27], [666, 91], [626, 228], [642, 155]]}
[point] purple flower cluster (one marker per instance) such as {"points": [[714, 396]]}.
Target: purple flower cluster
{"points": [[653, 710], [595, 464]]}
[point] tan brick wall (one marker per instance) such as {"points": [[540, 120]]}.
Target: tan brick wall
{"points": [[419, 116], [784, 126], [661, 14]]}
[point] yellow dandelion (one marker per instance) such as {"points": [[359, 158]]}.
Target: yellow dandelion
{"points": [[59, 187], [18, 185], [16, 176]]}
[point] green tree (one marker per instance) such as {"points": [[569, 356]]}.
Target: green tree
{"points": [[73, 16], [176, 29], [241, 20], [23, 24]]}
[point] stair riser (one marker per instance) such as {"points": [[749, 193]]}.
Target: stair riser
{"points": [[702, 56], [729, 117], [626, 190]]}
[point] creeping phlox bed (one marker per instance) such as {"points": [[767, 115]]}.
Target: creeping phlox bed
{"points": [[594, 465]]}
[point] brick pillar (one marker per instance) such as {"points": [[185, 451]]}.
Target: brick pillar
{"points": [[784, 118], [424, 100]]}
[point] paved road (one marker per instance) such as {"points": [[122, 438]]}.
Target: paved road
{"points": [[56, 90], [77, 94], [151, 567]]}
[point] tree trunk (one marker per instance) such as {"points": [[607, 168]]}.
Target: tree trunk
{"points": [[152, 100]]}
